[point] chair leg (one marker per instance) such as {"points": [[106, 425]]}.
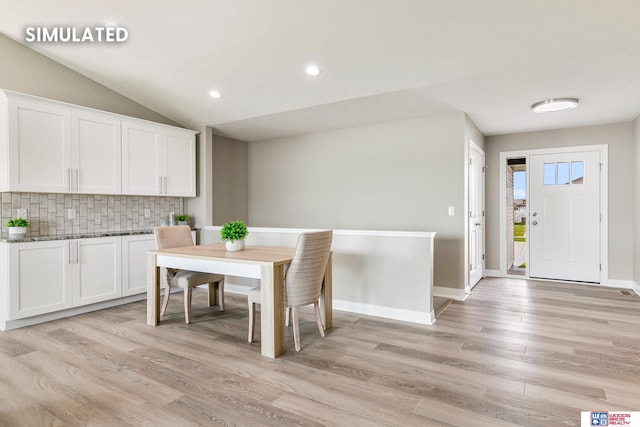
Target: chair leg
{"points": [[221, 294], [165, 302], [316, 308], [252, 320], [287, 312], [296, 328], [187, 305], [212, 287]]}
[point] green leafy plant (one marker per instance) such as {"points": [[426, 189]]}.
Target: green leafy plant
{"points": [[232, 231], [18, 222], [183, 217]]}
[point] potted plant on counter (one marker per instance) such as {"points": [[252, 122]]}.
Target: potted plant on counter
{"points": [[233, 234], [18, 226], [182, 219]]}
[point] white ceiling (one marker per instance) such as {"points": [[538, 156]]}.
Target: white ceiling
{"points": [[381, 59]]}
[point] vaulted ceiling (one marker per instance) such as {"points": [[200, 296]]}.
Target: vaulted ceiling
{"points": [[380, 59]]}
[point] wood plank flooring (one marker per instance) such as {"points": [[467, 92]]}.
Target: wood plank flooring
{"points": [[515, 353]]}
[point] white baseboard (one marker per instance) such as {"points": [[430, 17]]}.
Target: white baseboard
{"points": [[355, 307], [493, 273], [453, 293], [613, 283], [636, 287], [412, 316]]}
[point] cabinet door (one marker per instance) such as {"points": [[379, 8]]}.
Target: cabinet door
{"points": [[96, 153], [97, 276], [179, 164], [39, 147], [134, 263], [141, 147], [40, 279]]}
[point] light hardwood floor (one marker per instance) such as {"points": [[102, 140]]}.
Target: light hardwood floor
{"points": [[515, 353]]}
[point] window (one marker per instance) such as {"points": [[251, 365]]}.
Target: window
{"points": [[563, 173]]}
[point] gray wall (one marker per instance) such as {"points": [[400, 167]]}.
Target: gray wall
{"points": [[24, 70], [399, 175], [636, 251], [230, 180], [620, 139]]}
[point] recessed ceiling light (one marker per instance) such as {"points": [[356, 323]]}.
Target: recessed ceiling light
{"points": [[312, 70], [215, 94], [555, 104]]}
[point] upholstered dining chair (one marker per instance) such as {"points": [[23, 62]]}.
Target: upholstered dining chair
{"points": [[177, 237], [303, 281]]}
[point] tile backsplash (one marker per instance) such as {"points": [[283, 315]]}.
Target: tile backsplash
{"points": [[48, 213]]}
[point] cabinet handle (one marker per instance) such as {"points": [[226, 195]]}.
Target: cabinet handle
{"points": [[160, 184], [69, 179], [76, 171], [165, 185]]}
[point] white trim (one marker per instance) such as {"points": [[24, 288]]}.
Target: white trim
{"points": [[385, 312], [360, 308], [622, 284], [636, 287], [453, 293], [604, 199], [493, 273], [383, 233], [34, 320]]}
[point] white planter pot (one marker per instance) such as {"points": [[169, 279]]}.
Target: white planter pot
{"points": [[17, 231], [235, 245]]}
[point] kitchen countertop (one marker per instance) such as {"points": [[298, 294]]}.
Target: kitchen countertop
{"points": [[6, 238]]}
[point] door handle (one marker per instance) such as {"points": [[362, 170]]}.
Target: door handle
{"points": [[478, 224], [534, 222]]}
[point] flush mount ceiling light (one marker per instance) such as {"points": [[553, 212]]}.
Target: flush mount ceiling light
{"points": [[215, 94], [554, 104], [312, 70]]}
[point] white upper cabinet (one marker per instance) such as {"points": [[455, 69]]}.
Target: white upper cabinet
{"points": [[158, 160], [141, 147], [52, 147], [39, 147], [96, 154]]}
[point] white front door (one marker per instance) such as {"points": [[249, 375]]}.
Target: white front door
{"points": [[564, 216], [476, 214]]}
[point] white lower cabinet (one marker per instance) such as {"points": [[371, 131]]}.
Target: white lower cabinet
{"points": [[39, 278], [48, 276], [134, 262], [96, 276]]}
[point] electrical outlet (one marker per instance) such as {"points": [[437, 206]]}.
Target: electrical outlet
{"points": [[21, 213], [452, 210], [71, 213], [147, 213]]}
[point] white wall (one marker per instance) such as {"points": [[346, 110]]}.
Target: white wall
{"points": [[399, 176], [620, 139]]}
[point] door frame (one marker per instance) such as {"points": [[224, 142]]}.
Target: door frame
{"points": [[604, 200], [467, 275], [480, 186]]}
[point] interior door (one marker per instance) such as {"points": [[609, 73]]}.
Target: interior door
{"points": [[564, 216], [476, 214]]}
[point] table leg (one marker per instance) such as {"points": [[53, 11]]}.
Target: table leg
{"points": [[326, 296], [272, 310], [153, 290]]}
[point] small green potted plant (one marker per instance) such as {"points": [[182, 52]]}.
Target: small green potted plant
{"points": [[182, 219], [17, 226], [233, 234]]}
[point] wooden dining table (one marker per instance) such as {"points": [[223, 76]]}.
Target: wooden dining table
{"points": [[257, 262]]}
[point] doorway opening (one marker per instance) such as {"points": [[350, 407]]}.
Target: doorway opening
{"points": [[516, 202]]}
